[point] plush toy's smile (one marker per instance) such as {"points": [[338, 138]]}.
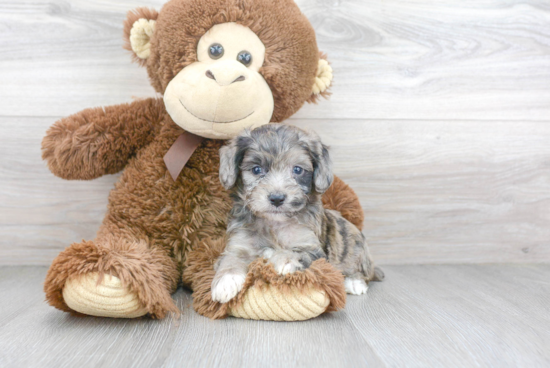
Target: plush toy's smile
{"points": [[216, 77], [223, 91], [213, 121]]}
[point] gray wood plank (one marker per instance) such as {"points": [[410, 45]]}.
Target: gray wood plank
{"points": [[60, 340], [453, 315], [66, 55], [451, 192], [41, 214], [483, 316], [438, 59], [395, 59], [447, 192]]}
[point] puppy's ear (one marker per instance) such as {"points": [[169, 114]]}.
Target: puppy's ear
{"points": [[322, 174], [231, 157], [322, 164]]}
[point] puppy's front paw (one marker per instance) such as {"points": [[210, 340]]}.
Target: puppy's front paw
{"points": [[288, 266], [227, 287], [355, 286], [268, 253]]}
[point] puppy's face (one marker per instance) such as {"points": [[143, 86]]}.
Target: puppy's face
{"points": [[276, 182], [278, 169]]}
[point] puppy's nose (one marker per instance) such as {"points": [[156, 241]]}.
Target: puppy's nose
{"points": [[277, 199]]}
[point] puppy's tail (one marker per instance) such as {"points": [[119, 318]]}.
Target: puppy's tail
{"points": [[378, 274]]}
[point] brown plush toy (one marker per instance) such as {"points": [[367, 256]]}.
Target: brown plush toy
{"points": [[221, 66]]}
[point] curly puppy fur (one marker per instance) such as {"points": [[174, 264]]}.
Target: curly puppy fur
{"points": [[200, 263], [155, 228], [278, 173]]}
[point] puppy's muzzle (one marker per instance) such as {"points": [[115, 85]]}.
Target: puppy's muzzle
{"points": [[277, 199]]}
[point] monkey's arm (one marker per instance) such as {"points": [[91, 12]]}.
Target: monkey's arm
{"points": [[100, 141], [340, 197]]}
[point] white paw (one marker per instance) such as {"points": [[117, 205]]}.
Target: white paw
{"points": [[227, 287], [289, 266], [355, 286], [268, 253]]}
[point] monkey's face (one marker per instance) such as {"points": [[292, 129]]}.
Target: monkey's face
{"points": [[222, 92], [225, 65]]}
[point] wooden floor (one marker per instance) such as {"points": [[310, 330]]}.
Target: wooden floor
{"points": [[436, 316]]}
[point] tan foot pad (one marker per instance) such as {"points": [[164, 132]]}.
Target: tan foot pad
{"points": [[270, 304], [108, 299]]}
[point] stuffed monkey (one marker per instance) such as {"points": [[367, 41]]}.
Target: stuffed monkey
{"points": [[221, 66]]}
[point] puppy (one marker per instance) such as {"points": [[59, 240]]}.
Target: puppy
{"points": [[277, 174]]}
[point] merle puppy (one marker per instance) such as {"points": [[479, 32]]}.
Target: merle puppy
{"points": [[277, 174]]}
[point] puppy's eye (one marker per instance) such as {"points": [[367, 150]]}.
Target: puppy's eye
{"points": [[256, 170], [244, 57], [215, 51], [297, 170]]}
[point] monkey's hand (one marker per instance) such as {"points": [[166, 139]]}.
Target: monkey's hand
{"points": [[100, 141]]}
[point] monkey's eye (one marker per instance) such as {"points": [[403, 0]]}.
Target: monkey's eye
{"points": [[297, 170], [215, 51], [256, 170], [245, 58]]}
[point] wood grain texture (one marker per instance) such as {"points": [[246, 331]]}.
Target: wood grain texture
{"points": [[41, 214], [459, 316], [435, 192], [432, 192], [396, 59], [438, 59], [438, 119]]}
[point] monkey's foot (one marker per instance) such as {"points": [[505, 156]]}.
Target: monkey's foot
{"points": [[268, 295], [109, 298], [268, 303]]}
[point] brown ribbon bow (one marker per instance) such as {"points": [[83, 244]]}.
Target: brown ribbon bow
{"points": [[180, 152]]}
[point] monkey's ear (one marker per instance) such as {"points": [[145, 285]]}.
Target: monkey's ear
{"points": [[231, 157], [323, 79], [139, 27]]}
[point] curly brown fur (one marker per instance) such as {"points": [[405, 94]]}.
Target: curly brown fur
{"points": [[131, 18], [150, 217], [100, 141], [148, 272], [291, 47], [174, 217], [200, 268], [277, 173], [340, 197]]}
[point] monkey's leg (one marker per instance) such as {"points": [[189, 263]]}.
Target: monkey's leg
{"points": [[113, 276], [340, 197], [266, 295]]}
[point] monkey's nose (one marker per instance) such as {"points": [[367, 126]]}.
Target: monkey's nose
{"points": [[277, 199], [211, 75]]}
